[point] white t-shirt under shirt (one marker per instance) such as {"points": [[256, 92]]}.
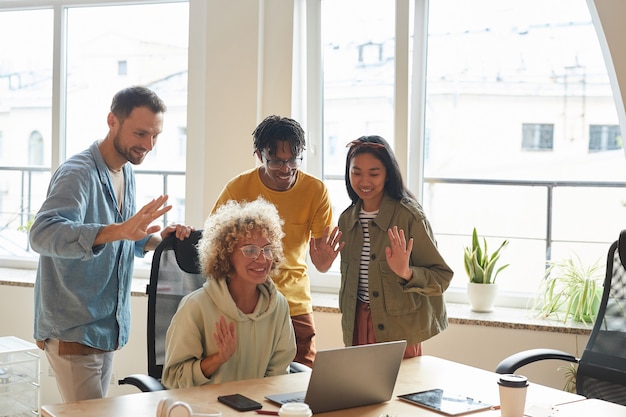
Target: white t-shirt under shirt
{"points": [[117, 179]]}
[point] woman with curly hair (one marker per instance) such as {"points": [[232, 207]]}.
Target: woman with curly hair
{"points": [[237, 326]]}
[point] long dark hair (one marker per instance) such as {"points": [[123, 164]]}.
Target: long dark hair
{"points": [[377, 146]]}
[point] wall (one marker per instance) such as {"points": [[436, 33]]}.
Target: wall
{"points": [[238, 75], [610, 14], [478, 346]]}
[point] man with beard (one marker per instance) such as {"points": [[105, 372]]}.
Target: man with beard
{"points": [[87, 234], [304, 204]]}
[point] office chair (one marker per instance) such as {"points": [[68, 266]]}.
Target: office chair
{"points": [[175, 272], [601, 369]]}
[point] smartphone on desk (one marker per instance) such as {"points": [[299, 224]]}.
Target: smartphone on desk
{"points": [[239, 402]]}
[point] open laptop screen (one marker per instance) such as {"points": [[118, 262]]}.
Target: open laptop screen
{"points": [[350, 377]]}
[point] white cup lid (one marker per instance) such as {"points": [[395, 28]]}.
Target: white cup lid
{"points": [[295, 410], [513, 380]]}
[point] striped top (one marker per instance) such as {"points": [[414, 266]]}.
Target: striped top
{"points": [[365, 218]]}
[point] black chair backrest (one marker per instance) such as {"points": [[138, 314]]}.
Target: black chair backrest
{"points": [[602, 367], [175, 273]]}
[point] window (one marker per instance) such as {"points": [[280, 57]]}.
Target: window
{"points": [[100, 60], [122, 68], [155, 58], [358, 81], [537, 137], [357, 56], [491, 67], [25, 120], [371, 54], [604, 138], [496, 70], [35, 149]]}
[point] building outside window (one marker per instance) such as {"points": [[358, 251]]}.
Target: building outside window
{"points": [[35, 148], [537, 136], [122, 67], [605, 138]]}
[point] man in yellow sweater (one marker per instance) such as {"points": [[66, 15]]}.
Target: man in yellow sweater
{"points": [[304, 204]]}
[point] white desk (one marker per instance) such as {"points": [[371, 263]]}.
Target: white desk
{"points": [[416, 374], [589, 408]]}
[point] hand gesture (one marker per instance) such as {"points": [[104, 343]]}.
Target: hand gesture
{"points": [[324, 251], [138, 226], [398, 253], [225, 339]]}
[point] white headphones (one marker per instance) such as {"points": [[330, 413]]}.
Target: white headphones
{"points": [[172, 408]]}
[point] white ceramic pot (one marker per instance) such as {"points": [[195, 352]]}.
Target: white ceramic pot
{"points": [[482, 297]]}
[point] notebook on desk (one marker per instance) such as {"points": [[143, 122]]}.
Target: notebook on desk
{"points": [[350, 377]]}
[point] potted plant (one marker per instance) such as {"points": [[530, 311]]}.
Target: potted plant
{"points": [[481, 271], [569, 373], [571, 289]]}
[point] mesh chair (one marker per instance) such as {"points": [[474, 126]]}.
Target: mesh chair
{"points": [[601, 369], [174, 273]]}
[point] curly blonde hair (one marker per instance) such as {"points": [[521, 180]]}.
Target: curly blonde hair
{"points": [[232, 222]]}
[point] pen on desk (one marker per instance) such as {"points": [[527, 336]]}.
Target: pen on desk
{"points": [[267, 412]]}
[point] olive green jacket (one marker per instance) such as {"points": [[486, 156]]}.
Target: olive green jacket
{"points": [[412, 310]]}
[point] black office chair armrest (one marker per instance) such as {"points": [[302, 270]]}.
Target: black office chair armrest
{"points": [[145, 383], [512, 363], [295, 367]]}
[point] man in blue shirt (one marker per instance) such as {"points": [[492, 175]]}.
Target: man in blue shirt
{"points": [[87, 234]]}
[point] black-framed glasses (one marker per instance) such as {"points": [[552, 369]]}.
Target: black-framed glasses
{"points": [[253, 251], [291, 163]]}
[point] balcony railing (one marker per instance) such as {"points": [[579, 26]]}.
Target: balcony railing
{"points": [[550, 188], [22, 191], [25, 194], [455, 205]]}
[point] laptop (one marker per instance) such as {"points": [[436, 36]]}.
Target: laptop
{"points": [[350, 377]]}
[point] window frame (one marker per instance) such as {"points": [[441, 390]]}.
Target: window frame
{"points": [[603, 137], [410, 115], [329, 282], [59, 74], [538, 137]]}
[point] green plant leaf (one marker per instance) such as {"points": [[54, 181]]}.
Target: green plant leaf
{"points": [[480, 267], [572, 289], [569, 372]]}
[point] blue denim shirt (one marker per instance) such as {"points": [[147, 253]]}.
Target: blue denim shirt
{"points": [[82, 292]]}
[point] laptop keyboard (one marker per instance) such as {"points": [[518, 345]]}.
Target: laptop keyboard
{"points": [[294, 400]]}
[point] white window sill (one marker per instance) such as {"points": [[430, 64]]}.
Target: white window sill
{"points": [[458, 313]]}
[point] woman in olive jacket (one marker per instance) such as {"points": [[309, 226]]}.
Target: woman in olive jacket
{"points": [[392, 275]]}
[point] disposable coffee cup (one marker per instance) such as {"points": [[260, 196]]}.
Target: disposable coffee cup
{"points": [[513, 389], [295, 410]]}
